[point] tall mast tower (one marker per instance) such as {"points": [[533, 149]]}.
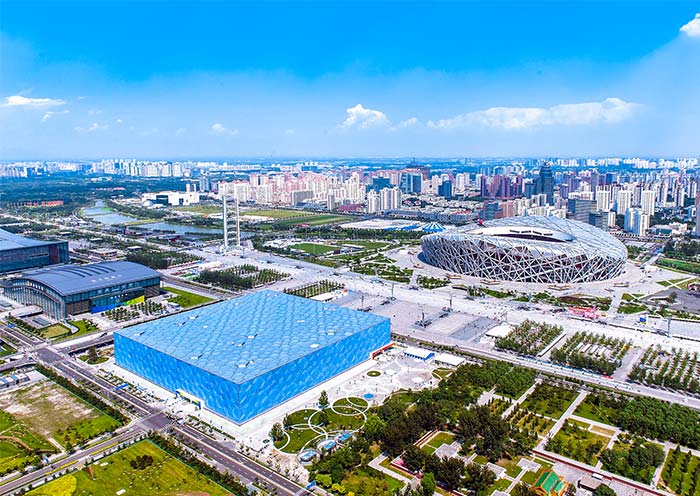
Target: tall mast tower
{"points": [[225, 218], [238, 224]]}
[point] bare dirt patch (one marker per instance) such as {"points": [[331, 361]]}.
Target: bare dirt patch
{"points": [[46, 407]]}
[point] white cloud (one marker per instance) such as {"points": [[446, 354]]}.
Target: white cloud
{"points": [[289, 132], [94, 111], [221, 130], [407, 123], [119, 121], [692, 29], [180, 131], [610, 110], [364, 118], [23, 101], [93, 128], [48, 115]]}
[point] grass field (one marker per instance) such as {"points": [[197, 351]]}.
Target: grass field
{"points": [[597, 413], [677, 473], [200, 209], [438, 440], [681, 265], [6, 349], [166, 476], [54, 331], [548, 400], [312, 220], [51, 411], [83, 327], [18, 443], [186, 299], [313, 248], [275, 214], [575, 441]]}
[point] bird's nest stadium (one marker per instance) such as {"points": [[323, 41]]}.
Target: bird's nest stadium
{"points": [[528, 249]]}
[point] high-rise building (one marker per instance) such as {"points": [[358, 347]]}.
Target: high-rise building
{"points": [[545, 182], [647, 201], [636, 221], [411, 183], [445, 189], [624, 201], [602, 199], [579, 209]]}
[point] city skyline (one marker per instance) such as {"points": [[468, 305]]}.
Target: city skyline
{"points": [[340, 80]]}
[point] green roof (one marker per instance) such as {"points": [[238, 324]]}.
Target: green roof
{"points": [[550, 482]]}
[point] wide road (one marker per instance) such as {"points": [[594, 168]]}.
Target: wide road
{"points": [[69, 461], [151, 417]]}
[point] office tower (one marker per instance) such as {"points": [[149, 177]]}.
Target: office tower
{"points": [[624, 201], [445, 189], [545, 182]]}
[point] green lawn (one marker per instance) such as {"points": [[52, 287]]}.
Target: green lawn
{"points": [[18, 443], [200, 209], [499, 485], [85, 430], [366, 481], [184, 298], [438, 440], [548, 400], [166, 476], [84, 327], [6, 349], [677, 474], [679, 265], [577, 443], [313, 248], [597, 413], [275, 214], [312, 220], [368, 245], [54, 331]]}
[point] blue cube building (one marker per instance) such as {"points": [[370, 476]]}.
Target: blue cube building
{"points": [[244, 356]]}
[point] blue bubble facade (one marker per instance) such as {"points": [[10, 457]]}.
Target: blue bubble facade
{"points": [[247, 355]]}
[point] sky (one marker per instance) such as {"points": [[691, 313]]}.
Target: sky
{"points": [[176, 79]]}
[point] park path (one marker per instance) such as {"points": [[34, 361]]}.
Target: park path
{"points": [[517, 402], [564, 416]]}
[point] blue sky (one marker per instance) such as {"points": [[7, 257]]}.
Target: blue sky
{"points": [[231, 79]]}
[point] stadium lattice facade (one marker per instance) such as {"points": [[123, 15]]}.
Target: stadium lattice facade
{"points": [[528, 249]]}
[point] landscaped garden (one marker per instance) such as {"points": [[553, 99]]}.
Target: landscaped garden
{"points": [[681, 473], [19, 444], [675, 369], [529, 337], [591, 351]]}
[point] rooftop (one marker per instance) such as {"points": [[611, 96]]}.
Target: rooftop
{"points": [[242, 338], [10, 241], [72, 279]]}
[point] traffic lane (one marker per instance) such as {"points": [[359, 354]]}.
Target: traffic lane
{"points": [[243, 465]]}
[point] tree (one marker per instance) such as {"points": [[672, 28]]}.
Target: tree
{"points": [[373, 428], [324, 480], [451, 471], [277, 433], [287, 422], [523, 489], [323, 418], [428, 484], [478, 478], [604, 490], [323, 399], [413, 458], [92, 354]]}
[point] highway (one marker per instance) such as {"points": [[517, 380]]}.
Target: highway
{"points": [[146, 417]]}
